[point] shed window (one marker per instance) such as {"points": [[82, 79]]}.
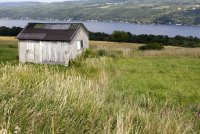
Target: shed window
{"points": [[79, 44]]}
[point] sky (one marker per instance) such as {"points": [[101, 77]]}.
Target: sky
{"points": [[31, 0]]}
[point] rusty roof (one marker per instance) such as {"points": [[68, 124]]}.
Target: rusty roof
{"points": [[50, 31]]}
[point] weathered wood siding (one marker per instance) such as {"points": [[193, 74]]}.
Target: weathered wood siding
{"points": [[54, 52], [44, 52], [49, 52], [81, 35], [21, 51]]}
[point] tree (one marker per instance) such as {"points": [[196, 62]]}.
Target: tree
{"points": [[120, 36], [6, 31]]}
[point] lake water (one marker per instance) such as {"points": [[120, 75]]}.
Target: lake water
{"points": [[170, 30]]}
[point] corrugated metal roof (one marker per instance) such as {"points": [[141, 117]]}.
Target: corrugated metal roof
{"points": [[50, 31]]}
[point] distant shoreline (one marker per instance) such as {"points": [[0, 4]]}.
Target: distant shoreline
{"points": [[104, 21], [108, 27]]}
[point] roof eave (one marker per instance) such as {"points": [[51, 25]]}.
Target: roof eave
{"points": [[17, 37], [81, 25], [44, 40]]}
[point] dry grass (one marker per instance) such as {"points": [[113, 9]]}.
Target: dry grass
{"points": [[131, 50], [40, 99], [103, 95], [8, 41], [170, 51], [5, 38], [114, 45]]}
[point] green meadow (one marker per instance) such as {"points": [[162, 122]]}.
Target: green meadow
{"points": [[112, 88]]}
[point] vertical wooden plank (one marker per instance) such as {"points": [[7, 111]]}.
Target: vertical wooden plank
{"points": [[30, 51], [60, 53], [48, 51], [66, 54], [37, 51], [44, 55], [22, 51], [41, 51], [57, 52], [52, 50]]}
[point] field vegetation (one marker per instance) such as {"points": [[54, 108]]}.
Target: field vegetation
{"points": [[111, 88], [121, 36]]}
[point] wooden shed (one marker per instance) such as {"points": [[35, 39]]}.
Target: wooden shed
{"points": [[52, 43]]}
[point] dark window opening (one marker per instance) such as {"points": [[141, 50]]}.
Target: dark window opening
{"points": [[81, 43]]}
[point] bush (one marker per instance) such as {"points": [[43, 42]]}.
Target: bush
{"points": [[153, 46], [78, 62], [102, 52], [88, 53], [120, 36]]}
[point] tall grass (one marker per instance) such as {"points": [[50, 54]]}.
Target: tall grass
{"points": [[48, 99], [112, 89], [131, 50], [8, 49]]}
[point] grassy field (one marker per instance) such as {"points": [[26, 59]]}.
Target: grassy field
{"points": [[114, 88]]}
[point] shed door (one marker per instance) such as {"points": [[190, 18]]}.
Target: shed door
{"points": [[30, 51]]}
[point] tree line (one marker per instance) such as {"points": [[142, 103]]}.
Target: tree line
{"points": [[121, 36], [6, 31]]}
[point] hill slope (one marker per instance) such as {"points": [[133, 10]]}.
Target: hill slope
{"points": [[134, 11]]}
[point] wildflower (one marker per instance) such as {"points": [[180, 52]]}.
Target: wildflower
{"points": [[3, 131], [17, 130]]}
